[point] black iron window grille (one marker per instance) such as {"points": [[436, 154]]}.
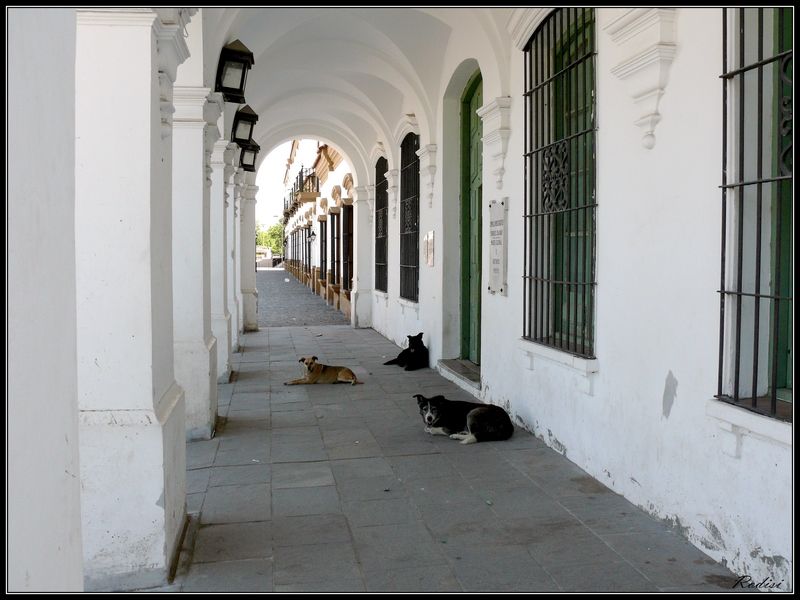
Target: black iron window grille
{"points": [[323, 249], [381, 223], [336, 253], [756, 277], [409, 218], [307, 240], [560, 201], [347, 247]]}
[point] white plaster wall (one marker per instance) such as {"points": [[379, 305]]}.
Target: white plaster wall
{"points": [[658, 224], [43, 492]]}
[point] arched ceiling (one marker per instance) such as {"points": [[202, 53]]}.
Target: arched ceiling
{"points": [[348, 74]]}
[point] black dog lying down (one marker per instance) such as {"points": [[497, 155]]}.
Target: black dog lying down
{"points": [[414, 357], [466, 421]]}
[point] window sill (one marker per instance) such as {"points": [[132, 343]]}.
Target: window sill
{"points": [[408, 304], [585, 367], [740, 421]]}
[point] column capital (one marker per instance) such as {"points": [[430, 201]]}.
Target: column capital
{"points": [[218, 152], [249, 192], [172, 48], [190, 103]]}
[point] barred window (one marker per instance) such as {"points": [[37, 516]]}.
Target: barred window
{"points": [[381, 223], [347, 247], [409, 218], [336, 254], [756, 280], [560, 201], [323, 249]]}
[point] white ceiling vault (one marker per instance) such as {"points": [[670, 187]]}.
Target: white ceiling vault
{"points": [[349, 76]]}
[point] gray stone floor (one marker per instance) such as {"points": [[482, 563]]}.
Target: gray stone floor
{"points": [[284, 303], [338, 488]]}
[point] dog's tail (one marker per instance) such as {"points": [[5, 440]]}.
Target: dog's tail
{"points": [[391, 362]]}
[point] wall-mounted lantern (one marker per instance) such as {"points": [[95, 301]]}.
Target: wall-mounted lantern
{"points": [[243, 122], [249, 154], [312, 236], [235, 60]]}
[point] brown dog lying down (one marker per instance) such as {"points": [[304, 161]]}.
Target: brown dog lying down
{"points": [[319, 373]]}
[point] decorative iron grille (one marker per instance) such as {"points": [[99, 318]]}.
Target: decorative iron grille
{"points": [[560, 202], [323, 250], [756, 277], [336, 253], [409, 218], [381, 223], [347, 247]]}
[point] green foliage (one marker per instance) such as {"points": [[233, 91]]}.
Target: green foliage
{"points": [[271, 238]]}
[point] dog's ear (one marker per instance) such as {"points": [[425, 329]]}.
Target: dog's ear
{"points": [[419, 335], [302, 360], [420, 399], [314, 358]]}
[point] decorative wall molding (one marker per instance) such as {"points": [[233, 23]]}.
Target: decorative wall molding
{"points": [[408, 124], [647, 37], [523, 22], [392, 177], [378, 151], [336, 195], [427, 166], [365, 193], [496, 118], [347, 184]]}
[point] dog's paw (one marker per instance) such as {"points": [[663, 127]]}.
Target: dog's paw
{"points": [[455, 436], [428, 430]]}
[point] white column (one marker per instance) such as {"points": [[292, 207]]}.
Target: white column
{"points": [[43, 484], [195, 346], [220, 316], [132, 448], [248, 254], [363, 244], [238, 180], [230, 243]]}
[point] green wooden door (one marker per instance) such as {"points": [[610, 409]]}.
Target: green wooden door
{"points": [[471, 201]]}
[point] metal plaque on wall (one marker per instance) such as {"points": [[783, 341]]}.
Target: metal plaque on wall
{"points": [[498, 254]]}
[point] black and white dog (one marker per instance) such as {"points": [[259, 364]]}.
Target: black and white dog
{"points": [[466, 421]]}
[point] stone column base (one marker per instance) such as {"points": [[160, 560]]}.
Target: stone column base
{"points": [[221, 328], [133, 493], [250, 301], [196, 373]]}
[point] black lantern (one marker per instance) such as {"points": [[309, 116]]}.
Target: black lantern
{"points": [[243, 123], [312, 236], [249, 154], [235, 60]]}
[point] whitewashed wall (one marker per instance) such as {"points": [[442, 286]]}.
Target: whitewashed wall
{"points": [[43, 511], [641, 418], [641, 423]]}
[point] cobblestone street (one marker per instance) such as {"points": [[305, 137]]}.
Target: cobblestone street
{"points": [[283, 301]]}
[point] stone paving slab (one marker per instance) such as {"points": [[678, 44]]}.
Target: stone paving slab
{"points": [[337, 488]]}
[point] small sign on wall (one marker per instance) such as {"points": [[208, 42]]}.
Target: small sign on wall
{"points": [[498, 261], [427, 248]]}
